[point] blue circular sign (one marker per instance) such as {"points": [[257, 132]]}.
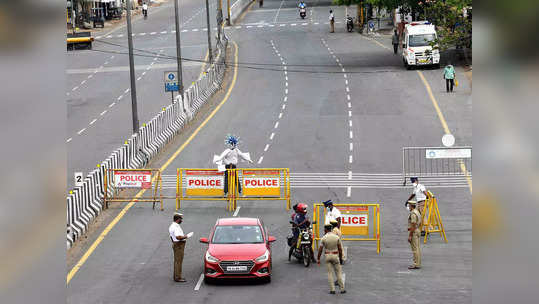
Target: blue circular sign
{"points": [[170, 76]]}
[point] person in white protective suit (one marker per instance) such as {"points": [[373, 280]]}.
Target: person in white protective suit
{"points": [[230, 158]]}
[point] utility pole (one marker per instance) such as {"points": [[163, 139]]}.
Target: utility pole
{"points": [[219, 19], [178, 48], [210, 53], [228, 9], [134, 111]]}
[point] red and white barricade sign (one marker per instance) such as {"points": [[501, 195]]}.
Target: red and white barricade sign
{"points": [[204, 182], [133, 179], [261, 182]]}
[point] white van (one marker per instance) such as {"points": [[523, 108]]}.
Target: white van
{"points": [[416, 48]]}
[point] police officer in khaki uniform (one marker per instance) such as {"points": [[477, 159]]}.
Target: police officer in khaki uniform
{"points": [[414, 223], [333, 252]]}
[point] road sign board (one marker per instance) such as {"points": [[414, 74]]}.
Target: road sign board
{"points": [[171, 81], [78, 179], [448, 153]]}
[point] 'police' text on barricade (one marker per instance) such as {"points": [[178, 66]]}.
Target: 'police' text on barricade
{"points": [[117, 181]]}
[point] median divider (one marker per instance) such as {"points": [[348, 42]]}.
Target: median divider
{"points": [[86, 201], [359, 222]]}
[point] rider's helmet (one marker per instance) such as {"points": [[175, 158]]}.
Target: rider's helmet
{"points": [[302, 208], [328, 203]]}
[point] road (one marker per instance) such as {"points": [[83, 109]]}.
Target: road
{"points": [[327, 103], [98, 97]]}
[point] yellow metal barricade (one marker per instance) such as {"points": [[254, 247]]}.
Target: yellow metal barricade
{"points": [[263, 184], [359, 222], [122, 179], [431, 220], [255, 184], [204, 185]]}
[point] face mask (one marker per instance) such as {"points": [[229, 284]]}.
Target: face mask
{"points": [[415, 184]]}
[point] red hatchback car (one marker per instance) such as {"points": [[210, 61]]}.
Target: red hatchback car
{"points": [[238, 248]]}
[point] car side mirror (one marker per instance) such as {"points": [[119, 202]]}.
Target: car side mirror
{"points": [[204, 240], [271, 239]]}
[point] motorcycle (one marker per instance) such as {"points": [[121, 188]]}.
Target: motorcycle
{"points": [[302, 12], [301, 248], [349, 24]]}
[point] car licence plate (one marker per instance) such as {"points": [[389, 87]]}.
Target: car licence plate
{"points": [[236, 268], [423, 61]]}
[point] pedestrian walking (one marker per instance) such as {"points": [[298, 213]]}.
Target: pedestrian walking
{"points": [[332, 245], [449, 76], [414, 222], [230, 159], [395, 42], [332, 213], [178, 245], [331, 21]]}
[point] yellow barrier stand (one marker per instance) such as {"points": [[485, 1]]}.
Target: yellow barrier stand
{"points": [[135, 179], [355, 221], [433, 222], [256, 184]]}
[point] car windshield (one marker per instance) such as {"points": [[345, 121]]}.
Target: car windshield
{"points": [[237, 235], [421, 40]]}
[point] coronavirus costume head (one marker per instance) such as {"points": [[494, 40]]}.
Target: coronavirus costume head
{"points": [[232, 141]]}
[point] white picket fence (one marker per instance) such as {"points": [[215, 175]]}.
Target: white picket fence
{"points": [[84, 203]]}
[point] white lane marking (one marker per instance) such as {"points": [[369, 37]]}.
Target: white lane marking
{"points": [[348, 191], [350, 123], [271, 25], [126, 91], [238, 27], [260, 159], [350, 159], [75, 88], [174, 31], [351, 146], [93, 121], [282, 24], [285, 68], [90, 76], [200, 279], [349, 104], [237, 210], [286, 78], [271, 136], [345, 76], [143, 73], [344, 279], [286, 83], [305, 23], [349, 113], [153, 33], [348, 96], [120, 97], [317, 23], [346, 81], [142, 34], [286, 91], [280, 115], [404, 272], [285, 98], [249, 26], [183, 31], [139, 78], [293, 24], [205, 29], [266, 148], [259, 26], [95, 71], [98, 37], [278, 11], [351, 135], [147, 68], [284, 106], [69, 139], [163, 32], [112, 105], [82, 130], [337, 59], [285, 72], [347, 89], [103, 113], [109, 36], [83, 82], [343, 70], [349, 177], [276, 125]]}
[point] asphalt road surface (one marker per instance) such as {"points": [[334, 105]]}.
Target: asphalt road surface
{"points": [[303, 120]]}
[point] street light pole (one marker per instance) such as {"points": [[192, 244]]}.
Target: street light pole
{"points": [[134, 111], [210, 53], [178, 47]]}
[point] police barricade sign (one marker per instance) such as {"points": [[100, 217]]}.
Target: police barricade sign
{"points": [[117, 182], [204, 183], [241, 184], [261, 182], [359, 222]]}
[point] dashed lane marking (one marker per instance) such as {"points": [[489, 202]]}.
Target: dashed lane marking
{"points": [[199, 283]]}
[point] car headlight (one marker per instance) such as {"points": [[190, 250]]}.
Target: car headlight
{"points": [[411, 55], [263, 257], [211, 258]]}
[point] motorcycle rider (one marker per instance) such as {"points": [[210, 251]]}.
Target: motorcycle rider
{"points": [[301, 221], [302, 4]]}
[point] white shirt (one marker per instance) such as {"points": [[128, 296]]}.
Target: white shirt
{"points": [[331, 16], [231, 156], [418, 191], [145, 6], [334, 214], [175, 230]]}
